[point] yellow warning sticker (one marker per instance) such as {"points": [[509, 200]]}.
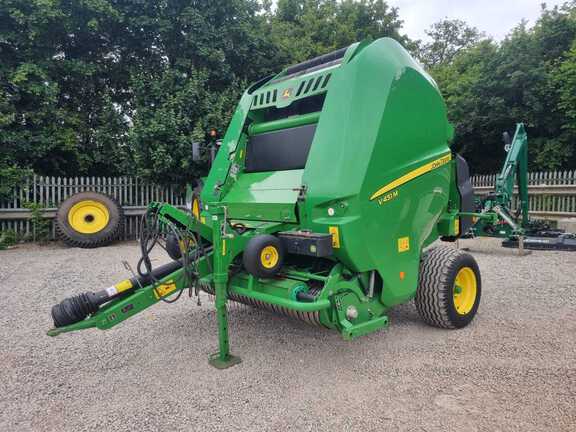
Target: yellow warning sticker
{"points": [[335, 236], [125, 285], [164, 289], [403, 244], [456, 226]]}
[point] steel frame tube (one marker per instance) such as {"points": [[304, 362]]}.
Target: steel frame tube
{"points": [[286, 123]]}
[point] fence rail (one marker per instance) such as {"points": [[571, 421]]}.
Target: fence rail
{"points": [[552, 196], [132, 193]]}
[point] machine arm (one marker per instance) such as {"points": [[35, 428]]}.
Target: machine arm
{"points": [[515, 167]]}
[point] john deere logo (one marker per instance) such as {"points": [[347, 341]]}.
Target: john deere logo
{"points": [[286, 93]]}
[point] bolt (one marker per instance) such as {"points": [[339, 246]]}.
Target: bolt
{"points": [[351, 313]]}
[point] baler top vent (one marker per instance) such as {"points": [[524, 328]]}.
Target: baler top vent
{"points": [[306, 87], [313, 84], [265, 98]]}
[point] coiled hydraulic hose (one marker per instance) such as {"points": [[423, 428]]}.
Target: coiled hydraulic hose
{"points": [[77, 308]]}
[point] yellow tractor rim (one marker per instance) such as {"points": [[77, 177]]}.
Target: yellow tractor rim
{"points": [[465, 289], [88, 217], [269, 256]]}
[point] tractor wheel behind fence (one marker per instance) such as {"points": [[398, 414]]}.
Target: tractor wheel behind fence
{"points": [[89, 220]]}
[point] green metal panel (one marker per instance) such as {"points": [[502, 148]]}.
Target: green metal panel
{"points": [[382, 119], [264, 196], [289, 122]]}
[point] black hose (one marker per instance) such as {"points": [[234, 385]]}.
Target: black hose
{"points": [[77, 308]]}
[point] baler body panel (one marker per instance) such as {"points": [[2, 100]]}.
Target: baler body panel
{"points": [[382, 119], [269, 196]]}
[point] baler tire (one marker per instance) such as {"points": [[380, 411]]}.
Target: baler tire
{"points": [[252, 257], [436, 294], [71, 236]]}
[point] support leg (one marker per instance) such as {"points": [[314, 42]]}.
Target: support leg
{"points": [[222, 359], [521, 250]]}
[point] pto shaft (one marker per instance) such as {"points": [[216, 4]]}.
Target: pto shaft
{"points": [[77, 308]]}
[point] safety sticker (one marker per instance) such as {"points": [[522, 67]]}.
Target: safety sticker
{"points": [[335, 236], [403, 244], [164, 289]]}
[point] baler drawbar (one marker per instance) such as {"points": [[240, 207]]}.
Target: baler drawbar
{"points": [[333, 179]]}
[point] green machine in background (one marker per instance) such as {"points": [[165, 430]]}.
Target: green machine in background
{"points": [[495, 216], [332, 178]]}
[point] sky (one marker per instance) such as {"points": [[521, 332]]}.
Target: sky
{"points": [[494, 17]]}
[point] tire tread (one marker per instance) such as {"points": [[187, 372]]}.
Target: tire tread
{"points": [[96, 241], [435, 286]]}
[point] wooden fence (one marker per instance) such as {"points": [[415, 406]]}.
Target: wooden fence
{"points": [[552, 196], [48, 192]]}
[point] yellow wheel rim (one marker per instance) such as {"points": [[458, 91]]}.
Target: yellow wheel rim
{"points": [[269, 256], [88, 217], [465, 290]]}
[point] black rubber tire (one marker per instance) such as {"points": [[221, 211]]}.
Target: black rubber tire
{"points": [[77, 239], [435, 294], [251, 257]]}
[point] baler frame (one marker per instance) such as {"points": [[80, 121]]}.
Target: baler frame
{"points": [[215, 279]]}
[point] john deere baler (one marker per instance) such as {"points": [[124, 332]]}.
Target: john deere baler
{"points": [[332, 178]]}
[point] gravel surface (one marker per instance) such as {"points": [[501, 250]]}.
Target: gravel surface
{"points": [[512, 369]]}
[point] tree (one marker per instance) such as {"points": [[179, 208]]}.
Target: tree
{"points": [[109, 87], [302, 29], [175, 110], [70, 100], [565, 80], [448, 38], [489, 87]]}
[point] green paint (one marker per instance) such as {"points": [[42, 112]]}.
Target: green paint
{"points": [[289, 122], [496, 213], [382, 119]]}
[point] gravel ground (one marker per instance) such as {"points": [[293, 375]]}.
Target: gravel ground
{"points": [[512, 369]]}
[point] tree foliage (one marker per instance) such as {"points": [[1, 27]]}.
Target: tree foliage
{"points": [[528, 77], [114, 87], [447, 39]]}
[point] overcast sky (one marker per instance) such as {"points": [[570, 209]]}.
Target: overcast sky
{"points": [[494, 17]]}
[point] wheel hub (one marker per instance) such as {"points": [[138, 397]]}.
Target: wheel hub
{"points": [[269, 256], [465, 290], [88, 217]]}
